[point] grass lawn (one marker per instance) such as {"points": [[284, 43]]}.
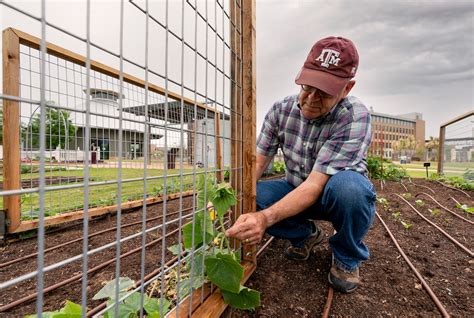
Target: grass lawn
{"points": [[66, 200], [417, 170]]}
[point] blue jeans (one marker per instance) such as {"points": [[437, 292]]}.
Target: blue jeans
{"points": [[348, 202]]}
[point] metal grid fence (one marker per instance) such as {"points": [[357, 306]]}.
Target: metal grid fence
{"points": [[82, 138], [456, 148]]}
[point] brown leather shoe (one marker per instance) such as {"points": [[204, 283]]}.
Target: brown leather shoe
{"points": [[342, 280], [302, 253]]}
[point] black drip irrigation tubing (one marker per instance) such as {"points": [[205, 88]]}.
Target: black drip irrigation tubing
{"points": [[79, 276], [16, 260], [98, 308], [445, 208], [435, 299], [423, 186], [404, 186], [465, 249], [453, 188]]}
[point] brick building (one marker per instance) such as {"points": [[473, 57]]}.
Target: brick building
{"points": [[389, 128]]}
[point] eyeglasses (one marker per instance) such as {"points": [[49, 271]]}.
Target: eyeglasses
{"points": [[311, 89]]}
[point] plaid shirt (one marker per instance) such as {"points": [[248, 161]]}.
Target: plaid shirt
{"points": [[337, 141]]}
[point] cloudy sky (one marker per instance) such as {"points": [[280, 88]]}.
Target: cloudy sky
{"points": [[415, 56]]}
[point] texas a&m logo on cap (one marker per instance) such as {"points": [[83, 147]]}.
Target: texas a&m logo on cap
{"points": [[328, 57]]}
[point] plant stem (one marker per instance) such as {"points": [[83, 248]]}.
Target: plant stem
{"points": [[221, 223]]}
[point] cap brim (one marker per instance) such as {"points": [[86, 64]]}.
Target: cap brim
{"points": [[324, 81]]}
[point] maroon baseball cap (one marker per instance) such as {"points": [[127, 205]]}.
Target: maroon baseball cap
{"points": [[331, 63]]}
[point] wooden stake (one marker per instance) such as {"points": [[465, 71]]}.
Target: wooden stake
{"points": [[11, 127], [249, 118]]}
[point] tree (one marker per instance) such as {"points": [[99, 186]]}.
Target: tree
{"points": [[58, 125], [432, 145]]}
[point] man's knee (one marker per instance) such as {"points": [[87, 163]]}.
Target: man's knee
{"points": [[349, 188]]}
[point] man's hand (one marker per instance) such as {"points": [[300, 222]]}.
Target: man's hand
{"points": [[249, 228]]}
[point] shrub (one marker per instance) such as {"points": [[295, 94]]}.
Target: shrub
{"points": [[388, 172]]}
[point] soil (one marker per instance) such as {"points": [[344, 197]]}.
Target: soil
{"points": [[389, 287], [289, 288]]}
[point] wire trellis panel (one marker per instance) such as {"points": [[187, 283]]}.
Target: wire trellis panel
{"points": [[81, 138], [456, 147]]}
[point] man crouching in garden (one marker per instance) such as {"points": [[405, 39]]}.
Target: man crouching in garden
{"points": [[324, 136]]}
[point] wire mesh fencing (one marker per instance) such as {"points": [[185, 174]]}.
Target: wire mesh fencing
{"points": [[137, 130], [456, 157]]}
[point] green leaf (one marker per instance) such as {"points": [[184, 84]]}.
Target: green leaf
{"points": [[47, 314], [196, 265], [72, 309], [188, 235], [108, 291], [152, 307], [224, 272], [406, 225], [469, 210], [133, 301], [124, 311], [246, 299], [176, 249], [205, 188], [420, 203], [185, 285], [224, 198]]}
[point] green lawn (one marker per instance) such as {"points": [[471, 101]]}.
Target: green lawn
{"points": [[66, 200], [417, 170]]}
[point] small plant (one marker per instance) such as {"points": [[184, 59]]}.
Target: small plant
{"points": [[130, 306], [407, 195], [384, 203], [70, 310], [465, 208], [221, 264], [227, 173], [279, 167], [457, 182], [384, 170], [406, 225], [420, 202], [398, 217], [434, 212]]}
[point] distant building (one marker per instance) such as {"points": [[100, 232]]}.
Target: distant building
{"points": [[389, 128]]}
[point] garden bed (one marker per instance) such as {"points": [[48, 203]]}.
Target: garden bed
{"points": [[288, 288], [389, 287]]}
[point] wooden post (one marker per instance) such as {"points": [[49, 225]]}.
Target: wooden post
{"points": [[236, 110], [249, 118], [11, 127], [218, 146], [441, 148]]}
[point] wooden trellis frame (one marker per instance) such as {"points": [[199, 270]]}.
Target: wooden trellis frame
{"points": [[12, 39], [442, 135], [243, 135], [243, 70]]}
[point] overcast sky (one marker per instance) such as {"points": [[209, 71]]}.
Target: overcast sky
{"points": [[415, 56]]}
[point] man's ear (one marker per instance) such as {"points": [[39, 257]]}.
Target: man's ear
{"points": [[348, 88]]}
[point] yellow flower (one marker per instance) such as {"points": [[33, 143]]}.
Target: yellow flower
{"points": [[212, 214], [216, 241]]}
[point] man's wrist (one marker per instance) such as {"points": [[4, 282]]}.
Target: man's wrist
{"points": [[269, 216]]}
